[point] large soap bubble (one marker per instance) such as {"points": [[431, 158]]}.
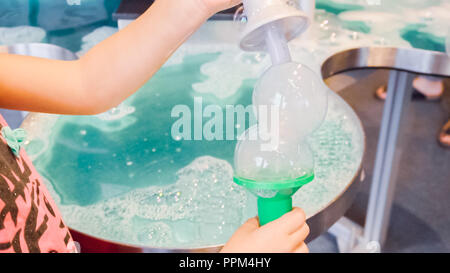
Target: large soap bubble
{"points": [[283, 154], [285, 161], [300, 95]]}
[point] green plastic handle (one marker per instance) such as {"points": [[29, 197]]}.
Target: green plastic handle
{"points": [[270, 209]]}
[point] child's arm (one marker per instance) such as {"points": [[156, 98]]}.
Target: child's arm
{"points": [[285, 235], [111, 71]]}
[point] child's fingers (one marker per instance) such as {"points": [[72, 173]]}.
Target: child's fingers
{"points": [[251, 224], [303, 248], [235, 2], [299, 236], [291, 221]]}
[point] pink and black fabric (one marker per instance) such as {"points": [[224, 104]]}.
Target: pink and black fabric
{"points": [[29, 219]]}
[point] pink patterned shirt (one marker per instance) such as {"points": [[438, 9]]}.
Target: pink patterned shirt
{"points": [[29, 219]]}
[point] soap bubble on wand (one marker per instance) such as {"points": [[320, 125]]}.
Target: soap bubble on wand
{"points": [[275, 174]]}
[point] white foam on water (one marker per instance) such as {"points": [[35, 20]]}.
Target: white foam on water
{"points": [[338, 148], [116, 113], [381, 23], [114, 120], [193, 49], [436, 18], [38, 133], [204, 206], [204, 201], [328, 36], [227, 73], [21, 34], [388, 22]]}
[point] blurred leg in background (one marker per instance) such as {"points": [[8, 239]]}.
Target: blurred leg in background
{"points": [[430, 89], [444, 134], [425, 88]]}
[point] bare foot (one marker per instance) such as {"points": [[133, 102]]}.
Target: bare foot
{"points": [[444, 135], [430, 87], [380, 93]]}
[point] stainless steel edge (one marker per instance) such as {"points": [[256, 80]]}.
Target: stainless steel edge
{"points": [[412, 60], [319, 223]]}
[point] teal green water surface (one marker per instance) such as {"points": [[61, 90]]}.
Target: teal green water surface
{"points": [[121, 176], [139, 151]]}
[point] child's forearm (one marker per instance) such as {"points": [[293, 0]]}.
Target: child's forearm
{"points": [[107, 74], [118, 67]]}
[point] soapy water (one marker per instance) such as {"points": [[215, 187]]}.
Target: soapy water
{"points": [[139, 186], [430, 18], [117, 113], [202, 206], [162, 214], [335, 164], [21, 34], [337, 146], [65, 22], [402, 23], [329, 34], [223, 81]]}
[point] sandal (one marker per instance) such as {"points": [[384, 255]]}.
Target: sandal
{"points": [[381, 94], [444, 135]]}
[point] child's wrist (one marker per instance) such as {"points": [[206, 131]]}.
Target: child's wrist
{"points": [[193, 9], [201, 8], [184, 12]]}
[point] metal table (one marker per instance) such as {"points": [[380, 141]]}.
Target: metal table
{"points": [[404, 65], [319, 223]]}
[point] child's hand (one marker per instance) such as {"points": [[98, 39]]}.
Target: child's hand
{"points": [[213, 6], [286, 234]]}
